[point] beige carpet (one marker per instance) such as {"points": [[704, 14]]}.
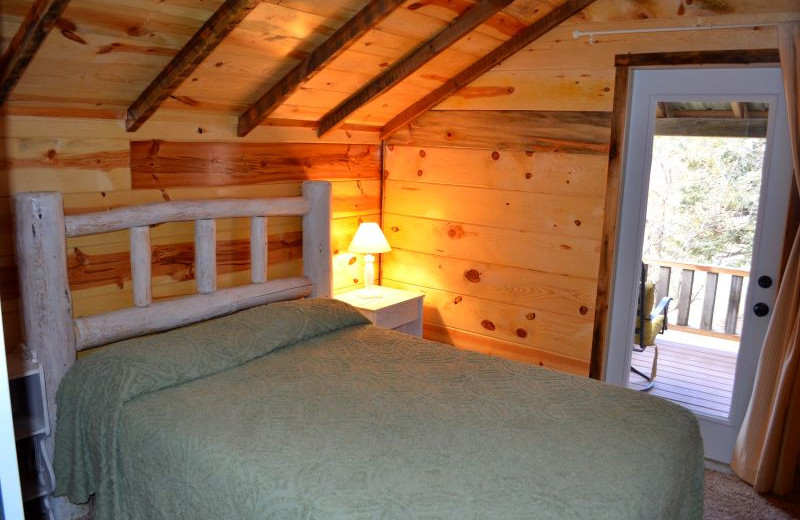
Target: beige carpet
{"points": [[728, 498]]}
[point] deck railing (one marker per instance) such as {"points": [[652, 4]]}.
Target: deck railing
{"points": [[662, 273]]}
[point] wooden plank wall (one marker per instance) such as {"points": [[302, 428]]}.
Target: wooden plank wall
{"points": [[493, 202], [96, 166], [499, 224]]}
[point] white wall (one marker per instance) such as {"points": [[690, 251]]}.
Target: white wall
{"points": [[9, 476]]}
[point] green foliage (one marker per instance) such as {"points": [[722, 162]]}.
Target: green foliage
{"points": [[703, 200]]}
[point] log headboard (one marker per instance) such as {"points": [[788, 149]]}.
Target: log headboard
{"points": [[41, 232]]}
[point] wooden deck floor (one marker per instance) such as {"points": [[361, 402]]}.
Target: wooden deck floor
{"points": [[690, 372]]}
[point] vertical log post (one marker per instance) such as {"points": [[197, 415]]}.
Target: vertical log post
{"points": [[707, 317], [45, 297], [205, 255], [731, 317], [317, 265], [141, 266], [258, 249], [685, 296]]}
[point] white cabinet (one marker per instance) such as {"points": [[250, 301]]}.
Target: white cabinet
{"points": [[31, 426]]}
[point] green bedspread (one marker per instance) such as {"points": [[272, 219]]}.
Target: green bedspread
{"points": [[302, 411]]}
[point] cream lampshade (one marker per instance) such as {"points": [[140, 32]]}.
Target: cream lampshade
{"points": [[369, 240]]}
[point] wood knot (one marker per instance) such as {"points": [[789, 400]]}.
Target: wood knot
{"points": [[419, 173], [74, 37], [584, 309], [528, 175], [422, 153], [51, 153], [65, 24], [455, 232], [134, 31], [472, 275], [495, 155], [457, 300], [530, 316], [69, 30], [391, 147], [81, 257], [488, 325], [352, 260], [522, 333], [395, 229], [577, 222], [529, 153]]}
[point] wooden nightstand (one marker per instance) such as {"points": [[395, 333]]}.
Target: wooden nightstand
{"points": [[392, 309]]}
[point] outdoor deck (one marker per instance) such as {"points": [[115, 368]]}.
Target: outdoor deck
{"points": [[693, 370]]}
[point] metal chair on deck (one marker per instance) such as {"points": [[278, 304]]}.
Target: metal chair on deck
{"points": [[650, 321]]}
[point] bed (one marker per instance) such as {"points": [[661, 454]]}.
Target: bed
{"points": [[238, 404]]}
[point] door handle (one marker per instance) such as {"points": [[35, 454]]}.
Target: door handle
{"points": [[760, 309]]}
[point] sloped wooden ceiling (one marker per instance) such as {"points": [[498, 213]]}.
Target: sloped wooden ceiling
{"points": [[102, 54]]}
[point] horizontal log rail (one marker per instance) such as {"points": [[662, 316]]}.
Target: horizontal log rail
{"points": [[686, 297], [100, 329], [181, 211]]}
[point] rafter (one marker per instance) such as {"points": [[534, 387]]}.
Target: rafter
{"points": [[739, 110], [518, 42], [371, 15], [457, 29], [34, 28], [199, 46], [663, 109]]}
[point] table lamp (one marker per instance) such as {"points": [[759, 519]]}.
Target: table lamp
{"points": [[369, 240]]}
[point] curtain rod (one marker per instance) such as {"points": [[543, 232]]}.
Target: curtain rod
{"points": [[592, 34]]}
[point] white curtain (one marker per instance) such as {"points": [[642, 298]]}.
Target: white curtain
{"points": [[766, 452]]}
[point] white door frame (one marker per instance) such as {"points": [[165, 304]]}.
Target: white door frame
{"points": [[649, 85]]}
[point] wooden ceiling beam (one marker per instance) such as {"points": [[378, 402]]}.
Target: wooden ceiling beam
{"points": [[370, 16], [705, 127], [199, 46], [457, 29], [518, 42], [32, 32]]}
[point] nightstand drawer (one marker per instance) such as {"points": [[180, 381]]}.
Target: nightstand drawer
{"points": [[397, 315]]}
